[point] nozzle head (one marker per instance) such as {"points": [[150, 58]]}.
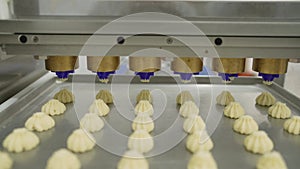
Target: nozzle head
{"points": [[268, 78], [228, 77], [145, 76], [186, 77], [64, 74], [103, 76]]}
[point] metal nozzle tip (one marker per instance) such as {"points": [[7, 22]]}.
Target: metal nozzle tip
{"points": [[231, 78], [104, 80], [145, 80], [267, 82], [226, 81], [61, 80], [185, 81]]}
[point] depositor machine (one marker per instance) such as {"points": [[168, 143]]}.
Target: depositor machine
{"points": [[226, 32], [44, 40]]}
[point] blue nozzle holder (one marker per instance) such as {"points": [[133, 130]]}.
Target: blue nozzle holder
{"points": [[186, 76], [64, 74], [104, 75], [268, 77], [145, 75]]}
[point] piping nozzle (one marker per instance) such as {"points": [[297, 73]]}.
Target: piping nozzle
{"points": [[144, 67], [186, 67], [62, 66], [269, 69], [228, 68], [104, 66]]}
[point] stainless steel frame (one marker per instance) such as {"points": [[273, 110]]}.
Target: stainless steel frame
{"points": [[251, 47], [265, 29]]}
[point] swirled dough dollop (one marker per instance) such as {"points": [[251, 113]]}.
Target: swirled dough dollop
{"points": [[225, 98], [183, 97], [258, 142], [132, 159], [245, 125], [144, 95], [105, 95], [64, 96], [265, 99], [80, 141], [279, 111], [189, 108], [141, 141], [144, 106], [143, 121], [99, 107], [53, 107], [202, 160], [39, 122], [272, 160], [91, 122], [292, 125], [20, 140], [193, 124], [199, 140], [234, 110], [5, 161], [63, 159]]}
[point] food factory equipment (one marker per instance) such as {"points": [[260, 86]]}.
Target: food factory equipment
{"points": [[186, 67], [228, 68], [103, 66], [270, 68], [56, 29], [61, 65], [144, 66], [38, 37]]}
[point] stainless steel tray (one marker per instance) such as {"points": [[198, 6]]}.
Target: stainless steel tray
{"points": [[228, 151]]}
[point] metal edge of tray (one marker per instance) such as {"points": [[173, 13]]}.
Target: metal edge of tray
{"points": [[28, 93]]}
